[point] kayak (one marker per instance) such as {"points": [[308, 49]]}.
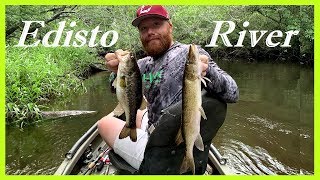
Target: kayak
{"points": [[90, 155]]}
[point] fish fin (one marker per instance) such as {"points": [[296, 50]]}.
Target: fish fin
{"points": [[179, 138], [207, 79], [144, 103], [123, 82], [125, 132], [118, 111], [203, 80], [203, 114], [199, 143], [133, 134], [187, 165], [114, 83]]}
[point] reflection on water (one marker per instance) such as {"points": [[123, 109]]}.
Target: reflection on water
{"points": [[269, 131], [41, 149]]}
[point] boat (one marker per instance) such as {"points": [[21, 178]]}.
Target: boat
{"points": [[90, 155]]}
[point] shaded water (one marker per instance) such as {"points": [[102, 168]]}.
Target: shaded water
{"points": [[269, 131], [41, 149]]}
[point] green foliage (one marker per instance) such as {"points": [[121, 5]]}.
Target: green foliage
{"points": [[15, 15], [194, 24], [116, 18], [21, 115], [36, 75], [307, 28], [287, 18]]}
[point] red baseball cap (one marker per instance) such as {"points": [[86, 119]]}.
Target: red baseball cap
{"points": [[146, 11]]}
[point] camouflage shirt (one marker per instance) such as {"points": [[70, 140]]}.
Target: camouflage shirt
{"points": [[162, 79]]}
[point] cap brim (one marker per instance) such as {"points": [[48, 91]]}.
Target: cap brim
{"points": [[137, 21]]}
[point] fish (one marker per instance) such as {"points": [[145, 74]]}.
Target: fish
{"points": [[191, 109], [129, 93]]}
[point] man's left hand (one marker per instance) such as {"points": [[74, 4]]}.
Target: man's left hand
{"points": [[204, 64]]}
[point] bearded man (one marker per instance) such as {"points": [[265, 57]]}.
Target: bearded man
{"points": [[162, 76]]}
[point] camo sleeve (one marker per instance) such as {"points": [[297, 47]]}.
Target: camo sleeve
{"points": [[222, 84]]}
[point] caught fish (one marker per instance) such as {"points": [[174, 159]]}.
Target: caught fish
{"points": [[191, 109], [129, 93]]}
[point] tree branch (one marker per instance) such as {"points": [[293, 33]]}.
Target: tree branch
{"points": [[260, 12], [58, 15]]}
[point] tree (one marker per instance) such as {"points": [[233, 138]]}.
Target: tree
{"points": [[15, 15]]}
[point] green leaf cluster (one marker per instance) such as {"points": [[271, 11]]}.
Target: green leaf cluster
{"points": [[37, 75]]}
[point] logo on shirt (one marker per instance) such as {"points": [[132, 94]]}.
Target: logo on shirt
{"points": [[152, 78]]}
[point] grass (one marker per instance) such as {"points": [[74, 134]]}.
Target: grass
{"points": [[37, 75]]}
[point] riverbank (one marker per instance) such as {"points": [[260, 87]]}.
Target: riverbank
{"points": [[259, 54], [35, 76]]}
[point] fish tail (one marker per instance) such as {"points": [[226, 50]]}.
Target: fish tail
{"points": [[125, 132], [187, 164], [199, 143], [133, 134]]}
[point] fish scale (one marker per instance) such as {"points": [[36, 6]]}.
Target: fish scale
{"points": [[191, 109], [129, 94]]}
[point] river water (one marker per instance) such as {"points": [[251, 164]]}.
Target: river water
{"points": [[269, 131]]}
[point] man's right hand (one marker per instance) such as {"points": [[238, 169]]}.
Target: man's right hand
{"points": [[112, 61]]}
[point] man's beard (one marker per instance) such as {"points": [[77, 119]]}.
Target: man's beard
{"points": [[159, 46]]}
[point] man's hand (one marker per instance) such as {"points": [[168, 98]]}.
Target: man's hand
{"points": [[204, 64], [112, 61]]}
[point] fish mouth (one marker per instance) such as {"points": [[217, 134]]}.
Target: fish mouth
{"points": [[192, 58]]}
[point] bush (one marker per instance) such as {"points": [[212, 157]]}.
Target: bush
{"points": [[35, 75]]}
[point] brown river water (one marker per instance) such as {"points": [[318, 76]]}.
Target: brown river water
{"points": [[269, 131]]}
